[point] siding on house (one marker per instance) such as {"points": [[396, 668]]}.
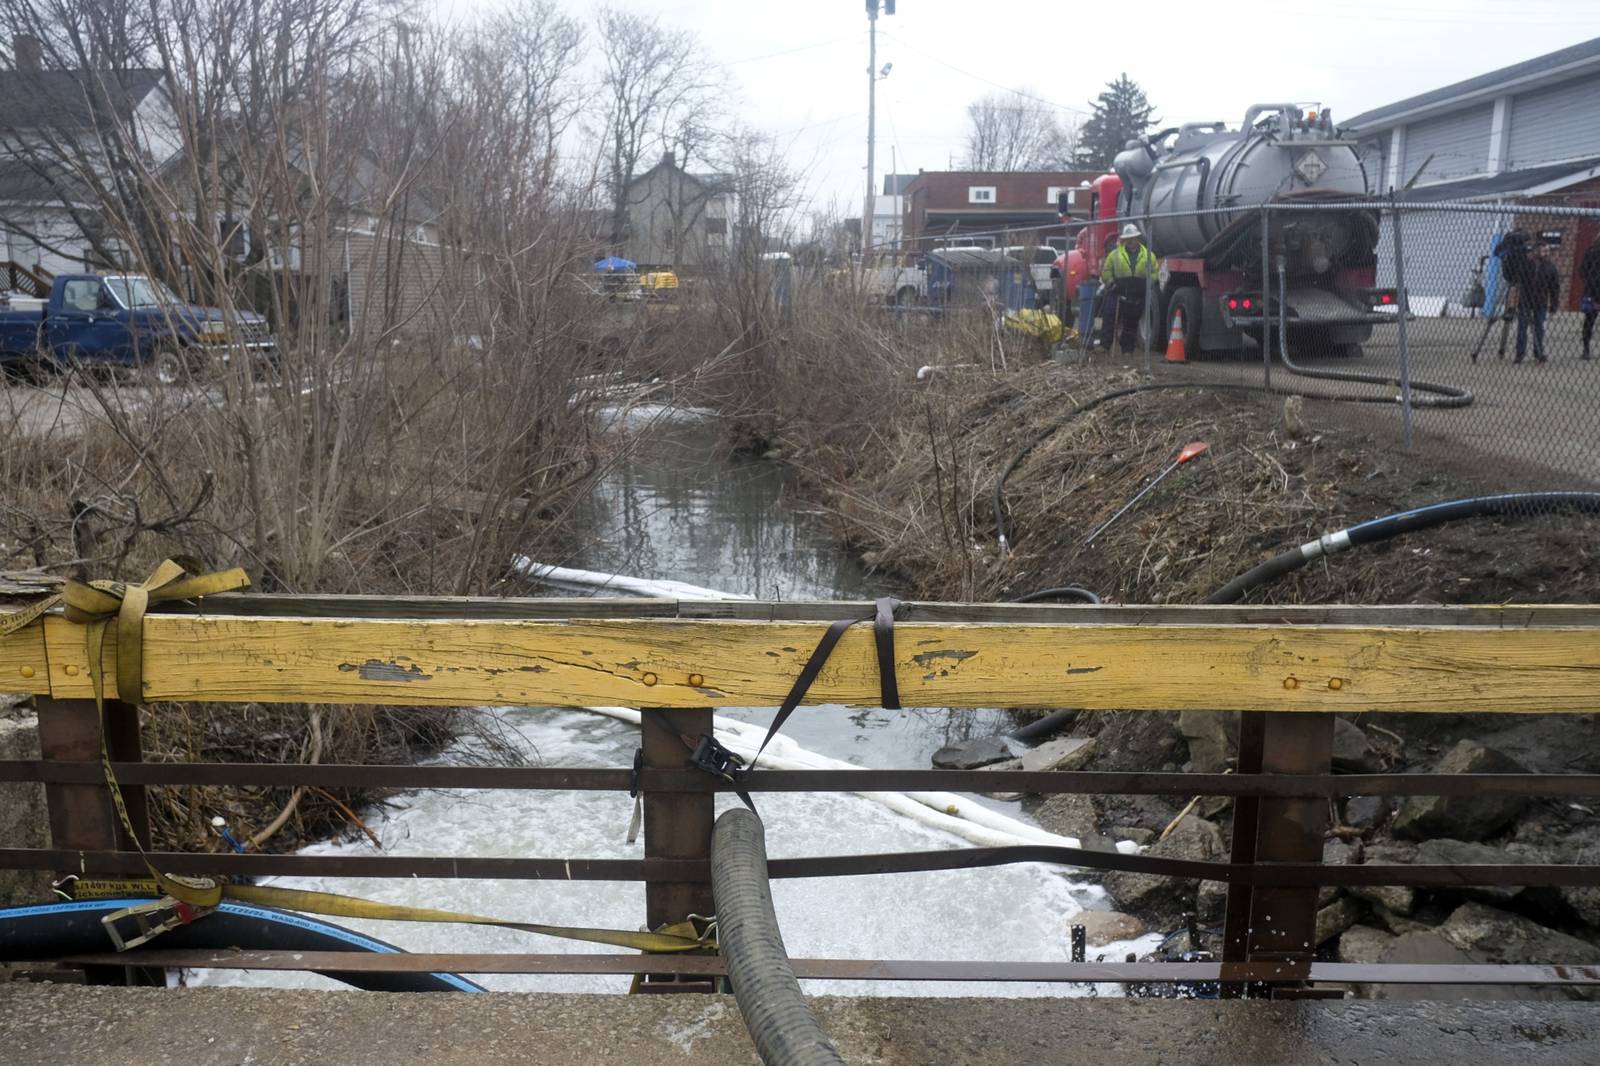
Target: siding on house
{"points": [[675, 219], [53, 228], [407, 286], [1458, 143], [1441, 250], [1561, 122]]}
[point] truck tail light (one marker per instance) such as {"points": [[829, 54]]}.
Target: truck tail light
{"points": [[1384, 298]]}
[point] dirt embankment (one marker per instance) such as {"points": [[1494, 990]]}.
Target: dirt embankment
{"points": [[921, 503], [917, 500]]}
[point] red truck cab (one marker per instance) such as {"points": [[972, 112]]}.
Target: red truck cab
{"points": [[1085, 257]]}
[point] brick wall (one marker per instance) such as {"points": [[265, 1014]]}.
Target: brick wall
{"points": [[1577, 234]]}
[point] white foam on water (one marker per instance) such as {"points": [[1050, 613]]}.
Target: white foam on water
{"points": [[1015, 913]]}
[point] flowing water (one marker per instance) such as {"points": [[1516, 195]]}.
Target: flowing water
{"points": [[678, 509]]}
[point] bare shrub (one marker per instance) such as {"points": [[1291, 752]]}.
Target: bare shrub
{"points": [[392, 198]]}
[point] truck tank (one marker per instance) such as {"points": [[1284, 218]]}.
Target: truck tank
{"points": [[1279, 153]]}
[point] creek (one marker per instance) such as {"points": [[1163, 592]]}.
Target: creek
{"points": [[679, 508]]}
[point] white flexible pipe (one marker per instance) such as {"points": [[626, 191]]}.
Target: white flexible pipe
{"points": [[571, 577], [947, 811]]}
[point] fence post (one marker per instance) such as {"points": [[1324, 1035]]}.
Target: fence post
{"points": [[1266, 288], [82, 816], [1152, 310], [677, 825], [1403, 304], [1268, 923]]}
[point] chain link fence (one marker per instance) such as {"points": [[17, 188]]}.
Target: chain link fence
{"points": [[1461, 331]]}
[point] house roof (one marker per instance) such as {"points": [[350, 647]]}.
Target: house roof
{"points": [[1480, 85], [973, 258], [1528, 181], [895, 184], [711, 182], [59, 99], [21, 183]]}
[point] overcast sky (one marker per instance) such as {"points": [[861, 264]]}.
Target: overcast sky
{"points": [[800, 65]]}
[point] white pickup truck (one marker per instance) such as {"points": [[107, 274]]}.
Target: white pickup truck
{"points": [[884, 279]]}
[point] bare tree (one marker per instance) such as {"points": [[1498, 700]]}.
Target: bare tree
{"points": [[1017, 131], [659, 90]]}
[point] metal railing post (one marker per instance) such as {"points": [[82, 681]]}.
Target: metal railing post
{"points": [[82, 816], [1152, 313], [1403, 304], [1277, 924], [677, 825]]}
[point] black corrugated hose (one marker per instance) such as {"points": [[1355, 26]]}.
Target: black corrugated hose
{"points": [[764, 985], [1432, 394], [1506, 504]]}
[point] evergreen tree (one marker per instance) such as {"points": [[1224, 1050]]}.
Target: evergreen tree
{"points": [[1121, 113]]}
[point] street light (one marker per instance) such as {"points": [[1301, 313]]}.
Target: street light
{"points": [[873, 75]]}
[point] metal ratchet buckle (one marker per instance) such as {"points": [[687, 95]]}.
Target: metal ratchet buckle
{"points": [[709, 755], [177, 913]]}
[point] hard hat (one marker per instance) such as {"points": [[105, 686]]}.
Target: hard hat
{"points": [[1130, 230]]}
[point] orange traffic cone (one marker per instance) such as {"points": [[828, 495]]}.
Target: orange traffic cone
{"points": [[1175, 352]]}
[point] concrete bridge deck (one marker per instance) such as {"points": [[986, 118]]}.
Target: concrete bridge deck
{"points": [[64, 1025]]}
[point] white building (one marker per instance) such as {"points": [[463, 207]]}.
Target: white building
{"points": [[889, 213], [1526, 132], [49, 147]]}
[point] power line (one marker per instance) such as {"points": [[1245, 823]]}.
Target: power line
{"points": [[987, 81], [790, 51]]}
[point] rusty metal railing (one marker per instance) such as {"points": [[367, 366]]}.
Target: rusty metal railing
{"points": [[666, 653]]}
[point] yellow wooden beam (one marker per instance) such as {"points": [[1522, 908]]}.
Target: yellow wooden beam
{"points": [[23, 665], [687, 663]]}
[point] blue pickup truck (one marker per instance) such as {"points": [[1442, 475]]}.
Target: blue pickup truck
{"points": [[127, 320]]}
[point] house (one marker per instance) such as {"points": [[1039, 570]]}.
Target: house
{"points": [[975, 207], [53, 156], [888, 213], [676, 219], [1528, 133]]}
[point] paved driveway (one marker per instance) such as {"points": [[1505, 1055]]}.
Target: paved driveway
{"points": [[1540, 421]]}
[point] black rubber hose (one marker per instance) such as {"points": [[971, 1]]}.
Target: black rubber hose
{"points": [[764, 985], [1049, 725], [1393, 525], [998, 500], [72, 927], [1062, 592], [1436, 395]]}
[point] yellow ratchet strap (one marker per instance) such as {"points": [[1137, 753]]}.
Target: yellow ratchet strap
{"points": [[680, 936], [96, 605]]}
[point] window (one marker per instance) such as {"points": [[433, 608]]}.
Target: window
{"points": [[1053, 195], [138, 291], [230, 234], [980, 194], [81, 295]]}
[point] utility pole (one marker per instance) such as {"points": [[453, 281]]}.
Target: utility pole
{"points": [[899, 212], [872, 117]]}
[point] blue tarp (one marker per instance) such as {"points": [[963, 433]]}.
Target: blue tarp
{"points": [[611, 264]]}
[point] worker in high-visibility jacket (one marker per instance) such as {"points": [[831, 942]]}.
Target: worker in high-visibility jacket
{"points": [[1129, 269]]}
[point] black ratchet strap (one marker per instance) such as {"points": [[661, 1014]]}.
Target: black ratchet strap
{"points": [[712, 757]]}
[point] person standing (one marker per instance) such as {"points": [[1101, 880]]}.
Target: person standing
{"points": [[1589, 272], [1127, 272], [1106, 301], [1537, 296]]}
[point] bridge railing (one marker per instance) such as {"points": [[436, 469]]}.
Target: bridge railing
{"points": [[1289, 669]]}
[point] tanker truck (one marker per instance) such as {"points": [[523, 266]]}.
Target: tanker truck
{"points": [[1196, 190]]}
